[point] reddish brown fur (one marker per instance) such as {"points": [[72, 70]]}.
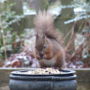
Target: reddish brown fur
{"points": [[48, 41]]}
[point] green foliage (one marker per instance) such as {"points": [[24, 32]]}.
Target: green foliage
{"points": [[7, 35], [81, 10]]}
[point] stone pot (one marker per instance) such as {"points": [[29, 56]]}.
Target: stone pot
{"points": [[21, 81]]}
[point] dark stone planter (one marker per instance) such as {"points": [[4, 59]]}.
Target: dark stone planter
{"points": [[20, 81]]}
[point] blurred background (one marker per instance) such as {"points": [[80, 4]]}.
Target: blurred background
{"points": [[71, 18]]}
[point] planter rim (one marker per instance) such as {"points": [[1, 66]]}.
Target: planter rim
{"points": [[48, 78], [20, 73]]}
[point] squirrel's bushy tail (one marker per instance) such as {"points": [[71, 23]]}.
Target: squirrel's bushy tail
{"points": [[44, 25]]}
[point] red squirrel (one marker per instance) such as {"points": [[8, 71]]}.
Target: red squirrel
{"points": [[48, 42]]}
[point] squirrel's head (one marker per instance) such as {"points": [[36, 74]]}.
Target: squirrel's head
{"points": [[44, 48]]}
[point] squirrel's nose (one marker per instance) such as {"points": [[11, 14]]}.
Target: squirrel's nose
{"points": [[41, 55]]}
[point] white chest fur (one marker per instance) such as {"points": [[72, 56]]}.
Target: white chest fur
{"points": [[50, 62]]}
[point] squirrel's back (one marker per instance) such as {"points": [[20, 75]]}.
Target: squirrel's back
{"points": [[44, 25]]}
